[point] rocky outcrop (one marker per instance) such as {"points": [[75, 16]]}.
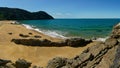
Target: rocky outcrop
{"points": [[4, 62], [57, 62], [116, 31], [20, 63], [74, 42], [102, 55], [77, 42]]}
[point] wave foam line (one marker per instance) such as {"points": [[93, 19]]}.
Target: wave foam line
{"points": [[49, 33], [102, 39]]}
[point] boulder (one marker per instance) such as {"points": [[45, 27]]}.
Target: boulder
{"points": [[77, 42], [10, 65], [30, 33], [22, 35], [116, 31], [28, 42], [4, 62], [10, 33], [37, 36], [56, 62], [110, 42], [21, 63]]}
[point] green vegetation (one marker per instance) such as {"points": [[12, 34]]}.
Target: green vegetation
{"points": [[20, 14]]}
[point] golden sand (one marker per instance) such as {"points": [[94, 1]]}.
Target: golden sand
{"points": [[37, 55]]}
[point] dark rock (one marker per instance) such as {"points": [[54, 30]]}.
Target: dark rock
{"points": [[30, 33], [48, 43], [29, 42], [22, 35], [32, 42], [10, 33], [56, 62], [21, 63], [37, 36], [77, 42], [4, 62]]}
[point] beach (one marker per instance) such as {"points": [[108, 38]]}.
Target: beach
{"points": [[37, 55]]}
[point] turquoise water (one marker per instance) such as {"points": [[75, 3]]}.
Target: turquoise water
{"points": [[86, 28]]}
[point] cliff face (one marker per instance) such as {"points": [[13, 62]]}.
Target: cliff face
{"points": [[102, 55], [20, 14]]}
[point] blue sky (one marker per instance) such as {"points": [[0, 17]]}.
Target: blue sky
{"points": [[69, 8]]}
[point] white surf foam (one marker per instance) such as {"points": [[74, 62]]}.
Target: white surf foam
{"points": [[46, 32], [119, 23], [102, 39], [27, 26]]}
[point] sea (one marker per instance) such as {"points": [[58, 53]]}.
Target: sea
{"points": [[67, 28]]}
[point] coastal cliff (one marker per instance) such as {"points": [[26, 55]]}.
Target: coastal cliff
{"points": [[20, 14]]}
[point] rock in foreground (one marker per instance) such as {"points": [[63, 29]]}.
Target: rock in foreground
{"points": [[101, 55]]}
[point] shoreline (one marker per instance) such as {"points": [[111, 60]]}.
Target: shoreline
{"points": [[86, 31], [56, 35], [44, 54], [53, 56]]}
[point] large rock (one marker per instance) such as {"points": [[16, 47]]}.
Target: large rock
{"points": [[116, 31], [110, 42], [32, 42], [21, 63], [73, 42], [77, 42], [56, 62], [4, 62]]}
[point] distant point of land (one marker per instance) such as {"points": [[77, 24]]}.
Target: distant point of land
{"points": [[21, 14]]}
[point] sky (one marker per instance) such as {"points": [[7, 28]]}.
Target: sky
{"points": [[69, 8]]}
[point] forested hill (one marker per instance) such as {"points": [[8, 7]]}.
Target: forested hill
{"points": [[20, 14]]}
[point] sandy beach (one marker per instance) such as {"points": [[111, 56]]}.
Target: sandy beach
{"points": [[37, 55]]}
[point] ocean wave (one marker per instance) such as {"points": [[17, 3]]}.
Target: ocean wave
{"points": [[46, 32]]}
